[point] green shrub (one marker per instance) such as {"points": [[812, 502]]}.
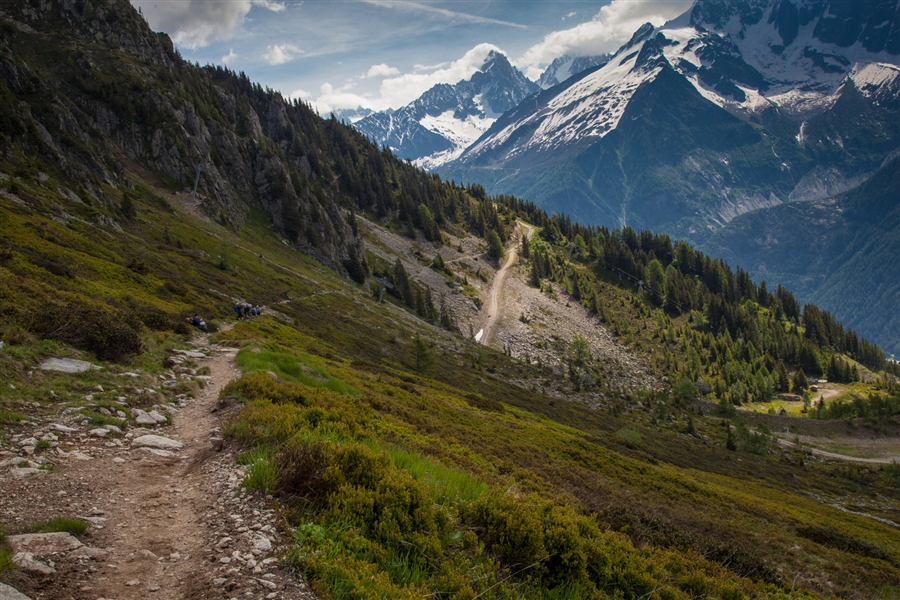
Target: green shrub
{"points": [[110, 335], [841, 541]]}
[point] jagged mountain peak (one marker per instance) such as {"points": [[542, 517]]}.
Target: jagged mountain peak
{"points": [[445, 119], [566, 66], [874, 25]]}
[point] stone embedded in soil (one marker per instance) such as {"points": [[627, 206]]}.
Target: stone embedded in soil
{"points": [[25, 472], [157, 417], [190, 353], [99, 432], [142, 417], [10, 593], [86, 552], [155, 452], [262, 543], [62, 428], [66, 365], [156, 441], [42, 544], [29, 564]]}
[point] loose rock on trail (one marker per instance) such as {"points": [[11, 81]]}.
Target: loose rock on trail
{"points": [[168, 517]]}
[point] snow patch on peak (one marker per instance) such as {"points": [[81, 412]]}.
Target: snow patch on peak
{"points": [[589, 108], [872, 77]]}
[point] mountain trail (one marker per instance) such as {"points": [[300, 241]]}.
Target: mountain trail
{"points": [[495, 312], [836, 456], [168, 522]]}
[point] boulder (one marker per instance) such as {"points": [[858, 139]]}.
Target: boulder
{"points": [[10, 593], [43, 544]]}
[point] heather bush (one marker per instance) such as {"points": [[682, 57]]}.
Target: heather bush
{"points": [[109, 334]]}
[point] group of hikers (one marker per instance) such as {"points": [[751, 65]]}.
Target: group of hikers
{"points": [[241, 310], [245, 311]]}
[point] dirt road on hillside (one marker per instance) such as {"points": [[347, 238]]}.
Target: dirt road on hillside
{"points": [[167, 523], [494, 306], [825, 454]]}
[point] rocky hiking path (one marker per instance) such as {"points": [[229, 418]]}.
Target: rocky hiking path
{"points": [[169, 519], [494, 308]]}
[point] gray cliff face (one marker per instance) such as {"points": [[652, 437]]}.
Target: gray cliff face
{"points": [[125, 96]]}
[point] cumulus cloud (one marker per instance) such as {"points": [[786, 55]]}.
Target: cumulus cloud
{"points": [[230, 57], [609, 29], [336, 99], [197, 23], [382, 70], [278, 54], [401, 90]]}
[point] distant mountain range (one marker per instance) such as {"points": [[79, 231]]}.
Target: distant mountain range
{"points": [[773, 109], [735, 107], [446, 119]]}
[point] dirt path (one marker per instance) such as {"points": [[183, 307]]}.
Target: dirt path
{"points": [[162, 502], [493, 307], [167, 524], [825, 454]]}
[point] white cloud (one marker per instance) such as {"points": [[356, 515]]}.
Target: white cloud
{"points": [[197, 23], [608, 30], [420, 67], [278, 54], [382, 70], [299, 94], [401, 90], [331, 99], [270, 5], [569, 16], [230, 57]]}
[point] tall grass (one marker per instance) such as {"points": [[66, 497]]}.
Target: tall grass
{"points": [[299, 368], [59, 524], [450, 485], [260, 469]]}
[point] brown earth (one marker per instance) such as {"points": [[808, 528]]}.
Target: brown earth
{"points": [[166, 525]]}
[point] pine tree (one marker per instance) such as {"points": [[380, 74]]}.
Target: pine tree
{"points": [[127, 207]]}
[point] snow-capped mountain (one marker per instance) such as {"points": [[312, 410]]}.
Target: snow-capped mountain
{"points": [[565, 66], [734, 106], [352, 115], [446, 119]]}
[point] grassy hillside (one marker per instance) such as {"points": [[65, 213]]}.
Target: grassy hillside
{"points": [[466, 455]]}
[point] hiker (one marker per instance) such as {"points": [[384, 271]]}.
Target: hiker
{"points": [[246, 308], [199, 323], [237, 310], [258, 310]]}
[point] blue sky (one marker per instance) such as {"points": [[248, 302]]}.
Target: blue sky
{"points": [[340, 54]]}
